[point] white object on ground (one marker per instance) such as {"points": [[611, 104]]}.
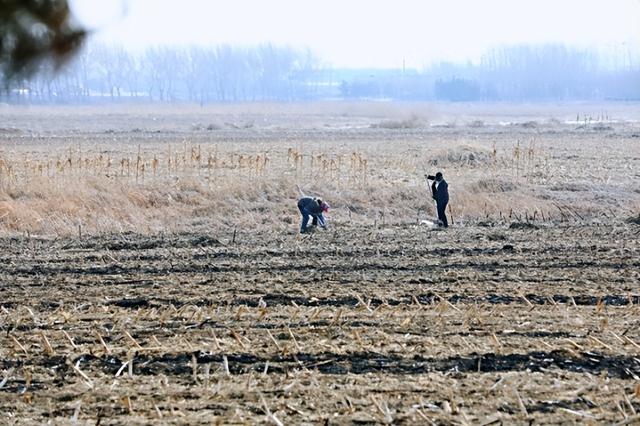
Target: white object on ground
{"points": [[428, 223]]}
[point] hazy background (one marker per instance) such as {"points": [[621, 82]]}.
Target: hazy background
{"points": [[252, 50]]}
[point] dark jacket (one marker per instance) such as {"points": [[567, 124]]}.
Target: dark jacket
{"points": [[441, 195], [310, 205]]}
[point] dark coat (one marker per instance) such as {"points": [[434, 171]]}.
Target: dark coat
{"points": [[441, 195], [310, 205]]}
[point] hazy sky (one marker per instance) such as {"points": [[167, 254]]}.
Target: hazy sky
{"points": [[365, 33]]}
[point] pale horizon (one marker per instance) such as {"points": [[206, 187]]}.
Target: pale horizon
{"points": [[361, 34]]}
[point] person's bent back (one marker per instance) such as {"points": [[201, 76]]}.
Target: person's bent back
{"points": [[312, 208]]}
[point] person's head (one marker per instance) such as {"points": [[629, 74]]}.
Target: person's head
{"points": [[439, 176], [323, 205]]}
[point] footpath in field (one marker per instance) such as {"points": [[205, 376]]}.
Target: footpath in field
{"points": [[391, 324]]}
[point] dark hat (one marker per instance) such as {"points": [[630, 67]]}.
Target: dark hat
{"points": [[439, 176]]}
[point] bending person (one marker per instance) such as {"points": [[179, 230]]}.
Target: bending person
{"points": [[312, 208]]}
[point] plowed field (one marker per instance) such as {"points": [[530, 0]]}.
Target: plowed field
{"points": [[395, 323]]}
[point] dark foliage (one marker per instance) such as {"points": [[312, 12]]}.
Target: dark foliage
{"points": [[32, 31]]}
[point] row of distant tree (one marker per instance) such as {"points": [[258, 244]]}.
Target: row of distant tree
{"points": [[168, 74], [514, 73], [281, 73]]}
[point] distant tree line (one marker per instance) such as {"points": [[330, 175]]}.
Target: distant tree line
{"points": [[513, 73], [170, 74], [278, 73]]}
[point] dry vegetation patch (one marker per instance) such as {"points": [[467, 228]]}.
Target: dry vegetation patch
{"points": [[493, 184], [461, 156], [409, 123]]}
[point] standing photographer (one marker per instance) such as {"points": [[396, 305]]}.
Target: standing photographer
{"points": [[440, 193]]}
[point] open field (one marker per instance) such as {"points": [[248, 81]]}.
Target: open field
{"points": [[152, 169], [151, 269]]}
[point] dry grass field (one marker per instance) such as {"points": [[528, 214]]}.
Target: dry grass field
{"points": [[151, 269]]}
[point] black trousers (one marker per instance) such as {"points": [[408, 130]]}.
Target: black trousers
{"points": [[442, 216]]}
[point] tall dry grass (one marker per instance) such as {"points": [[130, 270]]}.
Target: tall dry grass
{"points": [[162, 190], [148, 181]]}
